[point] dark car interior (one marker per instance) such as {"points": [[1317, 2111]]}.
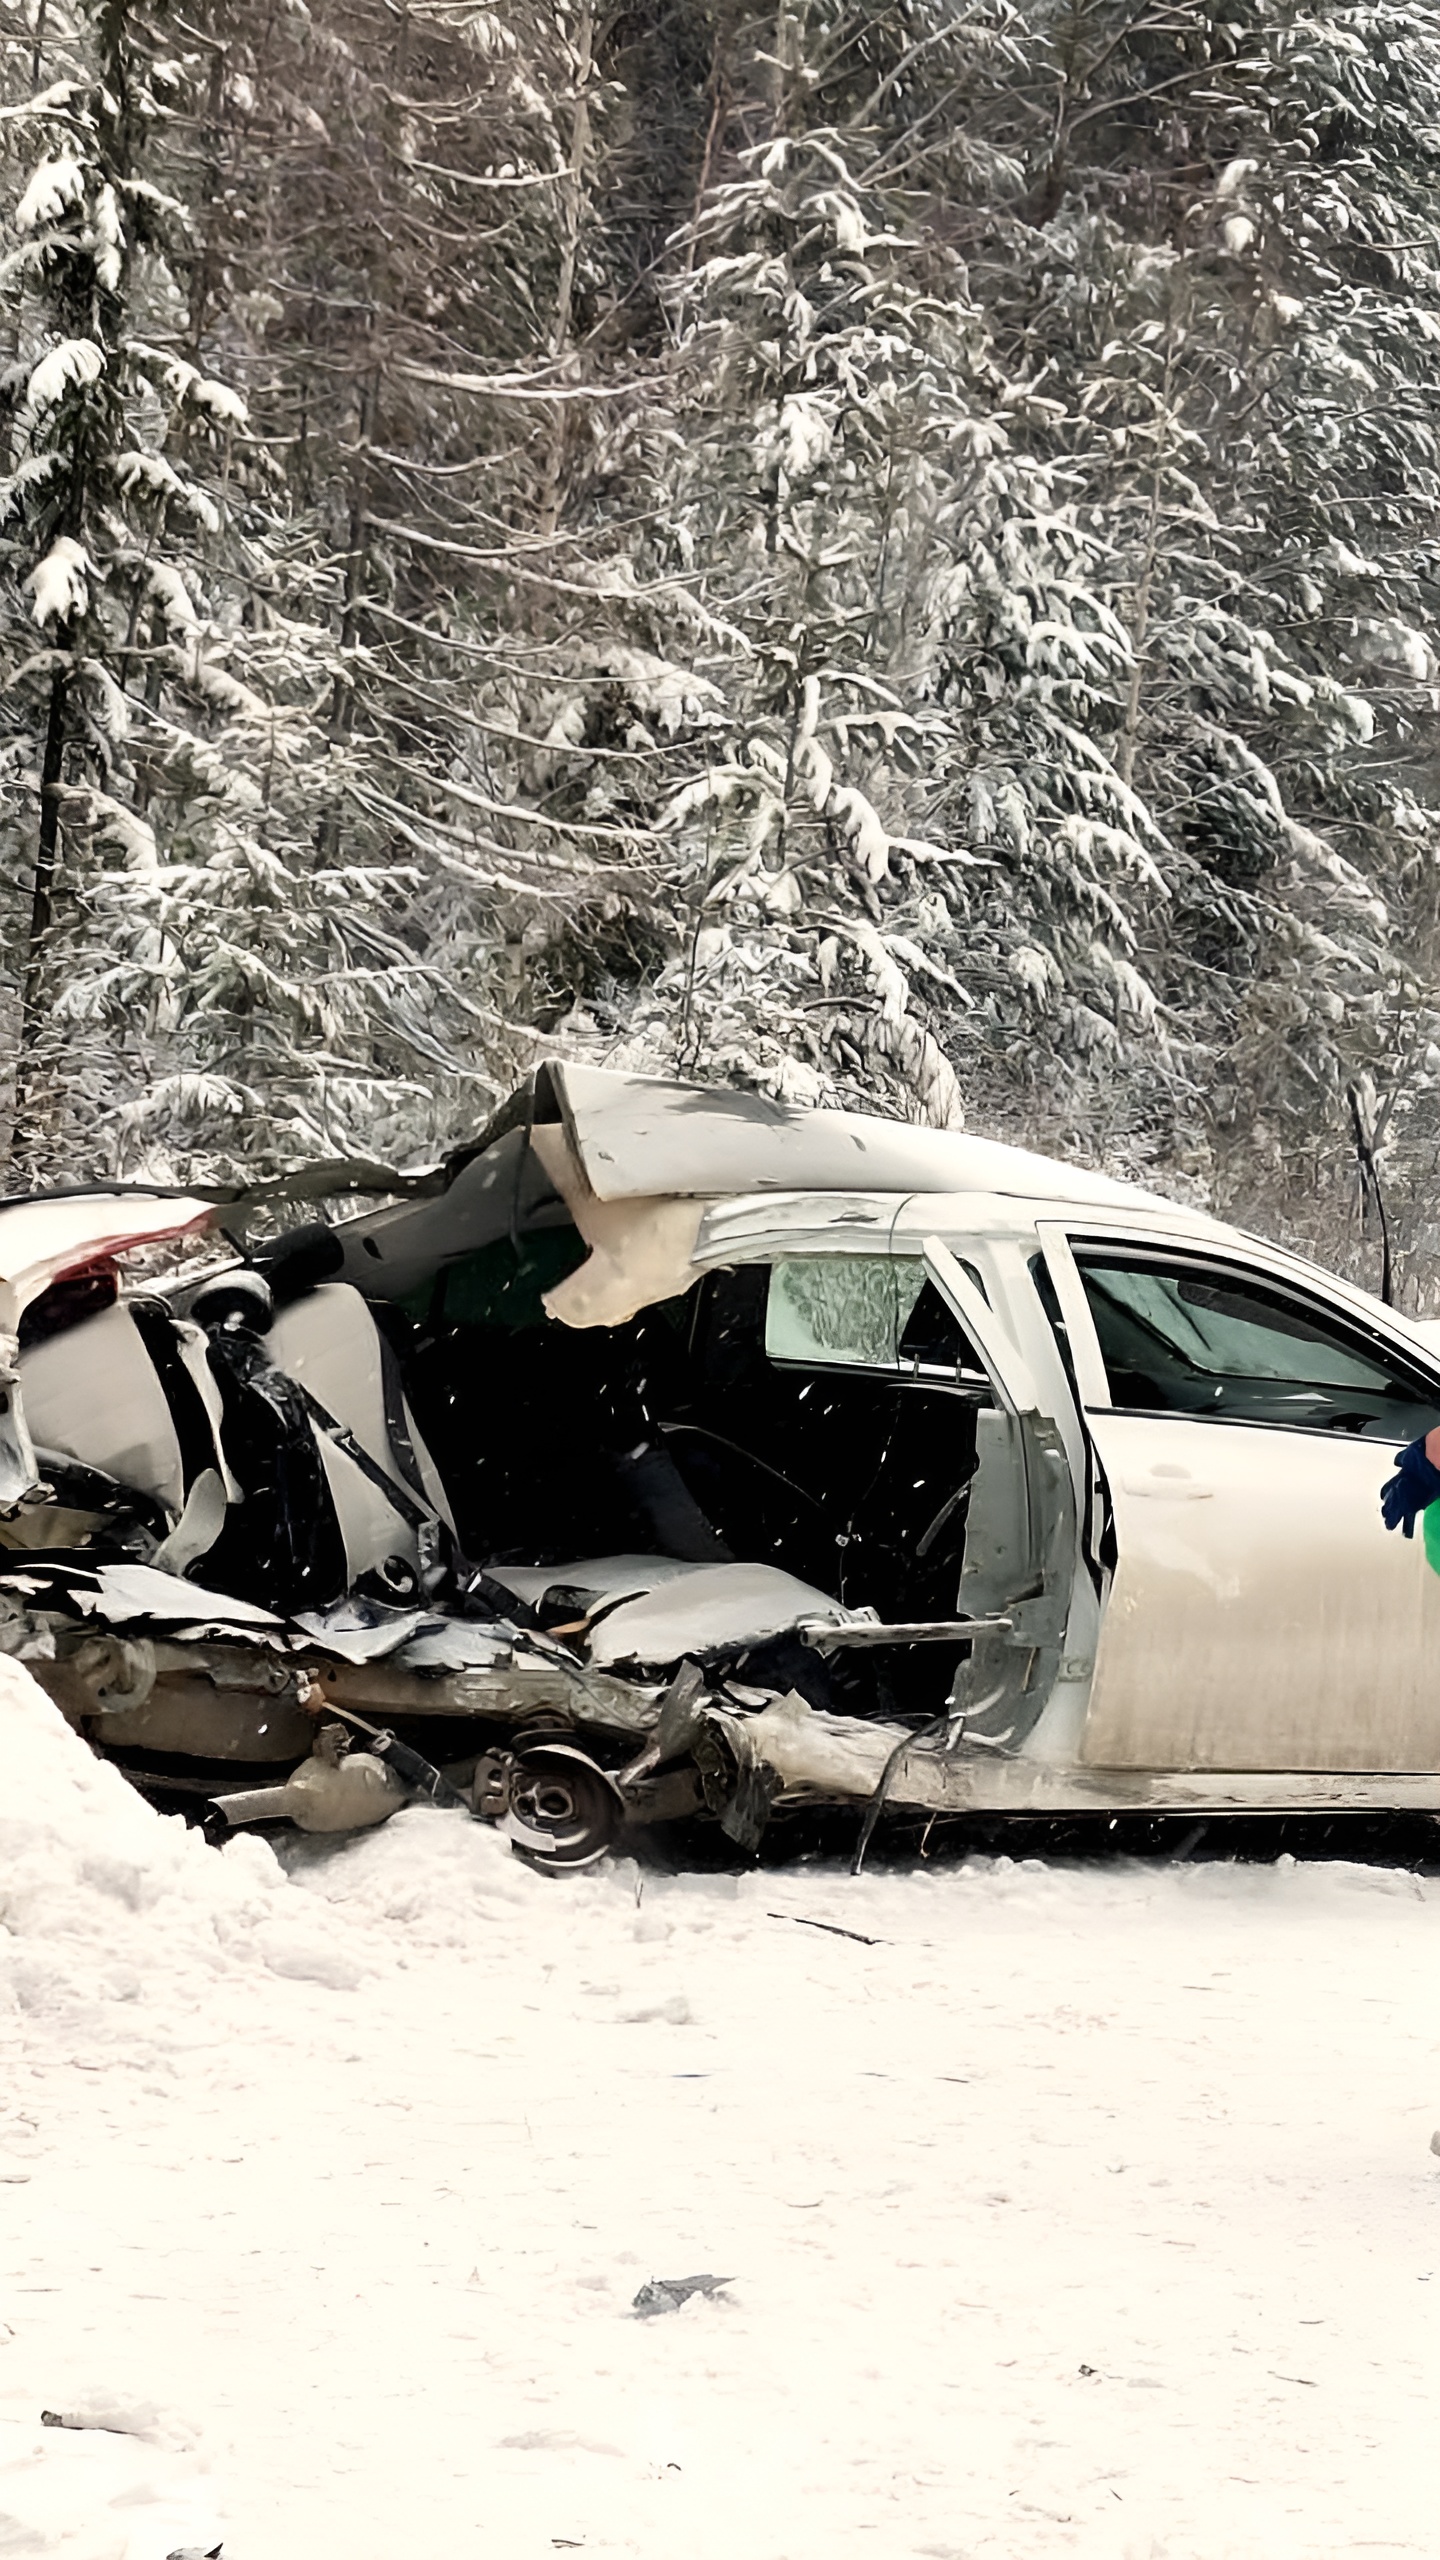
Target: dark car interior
{"points": [[680, 1434], [715, 1427]]}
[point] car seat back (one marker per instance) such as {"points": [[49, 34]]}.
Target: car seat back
{"points": [[329, 1342], [97, 1393]]}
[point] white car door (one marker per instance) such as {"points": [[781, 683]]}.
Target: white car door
{"points": [[1259, 1615]]}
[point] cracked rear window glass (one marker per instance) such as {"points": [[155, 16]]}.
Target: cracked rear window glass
{"points": [[864, 1311]]}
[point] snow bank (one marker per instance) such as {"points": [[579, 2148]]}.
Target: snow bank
{"points": [[128, 1951], [117, 1924]]}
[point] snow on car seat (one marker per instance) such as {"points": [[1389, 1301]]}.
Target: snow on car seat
{"points": [[329, 1342], [654, 1609]]}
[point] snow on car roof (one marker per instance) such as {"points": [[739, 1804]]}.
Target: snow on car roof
{"points": [[638, 1136]]}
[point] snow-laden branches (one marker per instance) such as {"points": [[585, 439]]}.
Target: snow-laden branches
{"points": [[892, 555]]}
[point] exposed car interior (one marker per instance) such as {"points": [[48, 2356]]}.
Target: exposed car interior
{"points": [[287, 1437]]}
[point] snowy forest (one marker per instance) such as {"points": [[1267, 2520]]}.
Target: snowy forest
{"points": [[886, 553]]}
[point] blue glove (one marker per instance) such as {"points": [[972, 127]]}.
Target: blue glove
{"points": [[1413, 1487]]}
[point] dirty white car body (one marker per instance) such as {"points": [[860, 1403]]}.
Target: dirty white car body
{"points": [[1112, 1539]]}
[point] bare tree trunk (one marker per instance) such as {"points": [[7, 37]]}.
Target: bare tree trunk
{"points": [[1140, 610], [572, 201], [31, 1098], [1139, 624], [202, 274], [714, 137], [342, 702]]}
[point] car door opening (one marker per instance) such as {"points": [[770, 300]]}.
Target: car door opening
{"points": [[814, 1415]]}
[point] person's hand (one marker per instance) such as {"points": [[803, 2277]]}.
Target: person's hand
{"points": [[1414, 1485]]}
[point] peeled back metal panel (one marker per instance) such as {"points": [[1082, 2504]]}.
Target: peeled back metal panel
{"points": [[1261, 1616], [637, 1136], [41, 1240]]}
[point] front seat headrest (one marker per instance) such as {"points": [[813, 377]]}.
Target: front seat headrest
{"points": [[235, 1300], [299, 1261]]}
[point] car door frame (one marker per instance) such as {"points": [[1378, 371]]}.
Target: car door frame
{"points": [[1022, 1545], [1021, 1542]]}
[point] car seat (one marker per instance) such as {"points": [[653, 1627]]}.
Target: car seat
{"points": [[129, 1392], [329, 1342]]}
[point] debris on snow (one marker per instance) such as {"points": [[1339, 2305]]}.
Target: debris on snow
{"points": [[107, 2413], [671, 2293]]}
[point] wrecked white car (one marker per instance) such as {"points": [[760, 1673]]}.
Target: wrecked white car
{"points": [[674, 1450]]}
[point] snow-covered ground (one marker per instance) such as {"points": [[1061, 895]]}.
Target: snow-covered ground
{"points": [[1085, 2211]]}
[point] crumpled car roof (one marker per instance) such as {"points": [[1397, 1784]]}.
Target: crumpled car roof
{"points": [[638, 1135], [630, 1138]]}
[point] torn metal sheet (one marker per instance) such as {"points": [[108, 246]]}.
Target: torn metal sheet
{"points": [[457, 1644], [364, 1630], [417, 1640], [123, 1594], [636, 1135]]}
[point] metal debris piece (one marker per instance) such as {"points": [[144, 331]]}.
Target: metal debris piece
{"points": [[82, 2426], [676, 1725], [830, 1927], [740, 1786], [668, 2293]]}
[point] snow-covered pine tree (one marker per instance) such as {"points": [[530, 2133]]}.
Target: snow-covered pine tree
{"points": [[1218, 261], [203, 976], [883, 552], [390, 206], [1181, 264], [855, 687]]}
